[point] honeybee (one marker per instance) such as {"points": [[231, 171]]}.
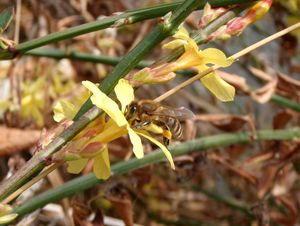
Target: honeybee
{"points": [[147, 112]]}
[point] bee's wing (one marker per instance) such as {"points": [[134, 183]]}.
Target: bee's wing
{"points": [[181, 113]]}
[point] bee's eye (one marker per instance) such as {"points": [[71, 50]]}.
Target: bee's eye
{"points": [[133, 109]]}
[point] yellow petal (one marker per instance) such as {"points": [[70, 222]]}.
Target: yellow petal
{"points": [[101, 165], [63, 110], [190, 58], [182, 33], [161, 146], [174, 44], [26, 100], [76, 166], [124, 93], [101, 100], [221, 89], [217, 57], [8, 218], [136, 143], [111, 132]]}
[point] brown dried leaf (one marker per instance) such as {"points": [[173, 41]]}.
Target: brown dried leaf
{"points": [[261, 74], [295, 69], [235, 151], [264, 94], [185, 168], [239, 170], [266, 182], [262, 214], [81, 213], [258, 158], [120, 147], [120, 198], [141, 177], [228, 122], [290, 219], [237, 81], [288, 86], [10, 141], [282, 118], [288, 49], [286, 154]]}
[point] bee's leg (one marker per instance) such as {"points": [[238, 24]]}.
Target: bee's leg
{"points": [[142, 124], [166, 141], [167, 134]]}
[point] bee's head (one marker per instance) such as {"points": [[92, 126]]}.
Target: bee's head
{"points": [[131, 110]]}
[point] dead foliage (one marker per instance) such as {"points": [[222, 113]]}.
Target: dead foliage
{"points": [[244, 184]]}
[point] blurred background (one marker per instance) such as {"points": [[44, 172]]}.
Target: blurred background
{"points": [[220, 187]]}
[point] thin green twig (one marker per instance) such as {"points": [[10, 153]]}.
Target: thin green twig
{"points": [[285, 102], [200, 37], [75, 55]]}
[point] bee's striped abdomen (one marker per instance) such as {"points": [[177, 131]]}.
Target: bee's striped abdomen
{"points": [[174, 126]]}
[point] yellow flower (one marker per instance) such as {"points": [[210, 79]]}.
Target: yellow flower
{"points": [[118, 125], [33, 100], [91, 143], [83, 147], [67, 108], [193, 57], [60, 87]]}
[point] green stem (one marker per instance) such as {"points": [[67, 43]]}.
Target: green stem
{"points": [[74, 55], [286, 102], [88, 114], [201, 144], [125, 18]]}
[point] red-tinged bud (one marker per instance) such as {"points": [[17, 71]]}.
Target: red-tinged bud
{"points": [[150, 76], [237, 25], [210, 14], [233, 27], [257, 11]]}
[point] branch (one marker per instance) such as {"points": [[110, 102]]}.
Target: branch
{"points": [[201, 144]]}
